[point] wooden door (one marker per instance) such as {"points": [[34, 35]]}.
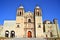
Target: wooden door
{"points": [[29, 34]]}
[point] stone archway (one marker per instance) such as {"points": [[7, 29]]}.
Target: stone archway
{"points": [[12, 34], [6, 33], [29, 34]]}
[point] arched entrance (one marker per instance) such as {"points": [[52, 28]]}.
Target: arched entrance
{"points": [[6, 33], [12, 34], [29, 34]]}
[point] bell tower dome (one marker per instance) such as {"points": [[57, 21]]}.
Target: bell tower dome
{"points": [[20, 11]]}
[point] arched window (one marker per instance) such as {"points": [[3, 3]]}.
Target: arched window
{"points": [[6, 33], [39, 26], [29, 20], [12, 34], [18, 26]]}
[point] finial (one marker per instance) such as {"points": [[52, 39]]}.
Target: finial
{"points": [[37, 6], [21, 6]]}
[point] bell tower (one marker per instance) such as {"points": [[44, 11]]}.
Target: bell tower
{"points": [[20, 21], [37, 11], [38, 24]]}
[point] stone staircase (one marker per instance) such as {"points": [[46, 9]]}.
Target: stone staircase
{"points": [[30, 39], [24, 39]]}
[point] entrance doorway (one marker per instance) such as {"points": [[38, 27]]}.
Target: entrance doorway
{"points": [[29, 34]]}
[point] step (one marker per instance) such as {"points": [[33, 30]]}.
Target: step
{"points": [[25, 39]]}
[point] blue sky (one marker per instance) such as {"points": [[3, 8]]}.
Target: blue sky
{"points": [[50, 8]]}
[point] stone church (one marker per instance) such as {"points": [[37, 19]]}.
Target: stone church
{"points": [[29, 25]]}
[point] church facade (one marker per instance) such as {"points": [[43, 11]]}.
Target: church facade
{"points": [[29, 25]]}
